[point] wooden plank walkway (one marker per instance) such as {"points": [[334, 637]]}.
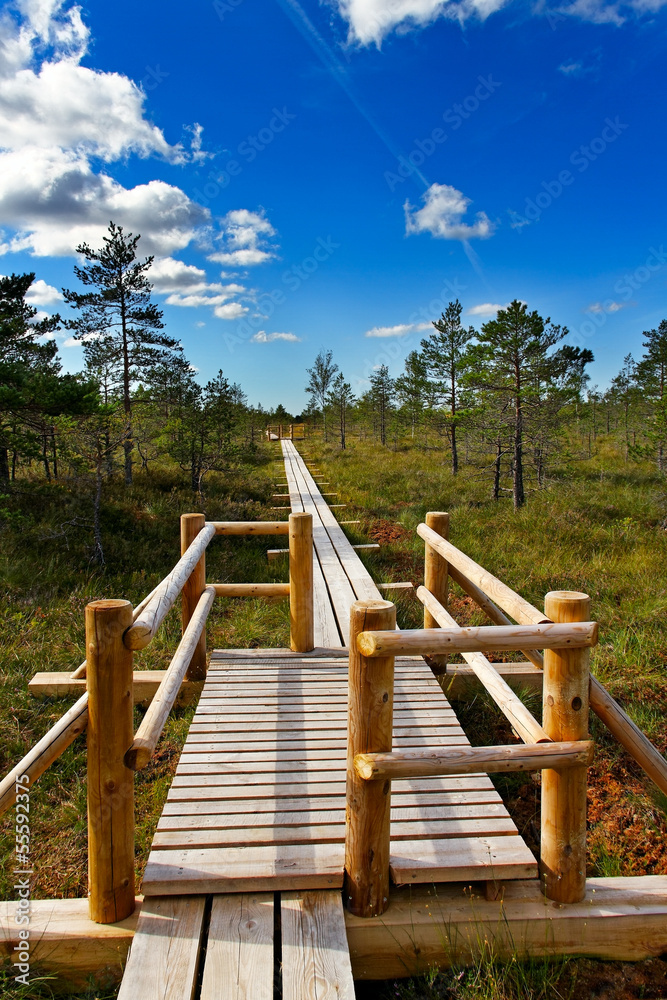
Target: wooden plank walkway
{"points": [[340, 576], [258, 799], [242, 888]]}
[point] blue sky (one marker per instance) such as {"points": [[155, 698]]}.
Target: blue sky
{"points": [[330, 175]]}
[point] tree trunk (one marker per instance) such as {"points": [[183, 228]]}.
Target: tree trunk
{"points": [[496, 466], [455, 454], [98, 552], [519, 495], [4, 464]]}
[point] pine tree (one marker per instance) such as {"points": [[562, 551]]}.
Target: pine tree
{"points": [[120, 311], [652, 378], [340, 398], [382, 394], [320, 381], [446, 360], [510, 362]]}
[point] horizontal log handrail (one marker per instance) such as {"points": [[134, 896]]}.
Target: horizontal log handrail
{"points": [[150, 730], [491, 610], [250, 527], [251, 589], [434, 641], [164, 597], [523, 722], [504, 596], [42, 755], [607, 709], [473, 760], [80, 671]]}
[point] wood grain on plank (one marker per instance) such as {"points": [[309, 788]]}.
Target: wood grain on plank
{"points": [[239, 951], [316, 958]]}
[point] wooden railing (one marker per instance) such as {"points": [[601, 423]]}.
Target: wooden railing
{"points": [[558, 746], [290, 432], [113, 633]]}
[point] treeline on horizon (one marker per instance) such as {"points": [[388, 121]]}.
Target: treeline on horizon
{"points": [[504, 400]]}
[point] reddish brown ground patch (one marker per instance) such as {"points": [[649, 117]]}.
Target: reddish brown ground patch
{"points": [[387, 532]]}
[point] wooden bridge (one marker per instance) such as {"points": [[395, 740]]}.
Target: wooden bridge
{"points": [[328, 819]]}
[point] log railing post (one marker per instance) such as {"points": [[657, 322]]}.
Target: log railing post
{"points": [[565, 717], [435, 567], [301, 610], [370, 723], [191, 525], [110, 783]]}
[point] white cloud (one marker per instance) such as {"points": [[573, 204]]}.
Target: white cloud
{"points": [[571, 69], [53, 200], [243, 238], [268, 338], [371, 20], [41, 294], [608, 306], [232, 310], [485, 309], [397, 331], [211, 295], [442, 214]]}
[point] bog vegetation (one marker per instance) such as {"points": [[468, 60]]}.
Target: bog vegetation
{"points": [[551, 484]]}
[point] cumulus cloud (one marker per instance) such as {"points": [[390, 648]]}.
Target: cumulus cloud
{"points": [[210, 295], [442, 213], [371, 20], [231, 310], [485, 309], [268, 338], [608, 306], [397, 331], [41, 294], [244, 239]]}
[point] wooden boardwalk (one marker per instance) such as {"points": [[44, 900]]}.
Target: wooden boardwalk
{"points": [[258, 799]]}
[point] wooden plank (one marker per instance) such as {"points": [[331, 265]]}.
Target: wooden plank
{"points": [[461, 860], [305, 830], [59, 684], [239, 951], [224, 786], [163, 959], [424, 804], [621, 919], [244, 869], [315, 812], [316, 958], [66, 943]]}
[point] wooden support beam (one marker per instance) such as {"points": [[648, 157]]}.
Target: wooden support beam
{"points": [[396, 586], [426, 927], [191, 525], [251, 589], [110, 784], [370, 727], [251, 527], [369, 547], [281, 508], [473, 760], [498, 591], [150, 730], [458, 680], [565, 713], [480, 638], [435, 566], [527, 727], [166, 593], [43, 754], [349, 522], [56, 684], [67, 944], [273, 554], [301, 614]]}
